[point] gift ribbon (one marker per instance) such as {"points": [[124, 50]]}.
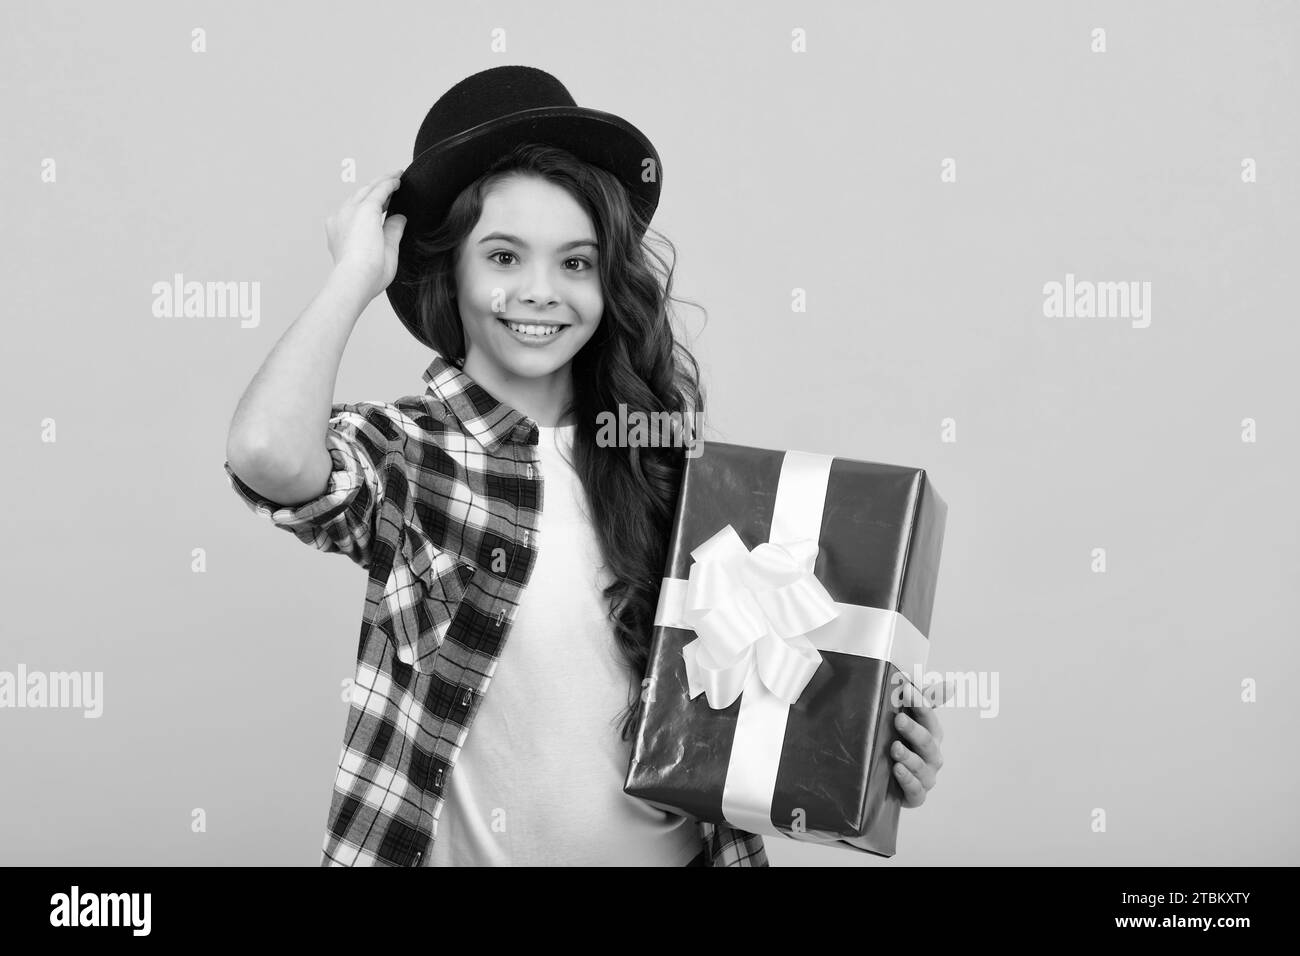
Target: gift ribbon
{"points": [[762, 618], [751, 610]]}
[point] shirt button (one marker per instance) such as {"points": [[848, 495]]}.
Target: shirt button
{"points": [[464, 700]]}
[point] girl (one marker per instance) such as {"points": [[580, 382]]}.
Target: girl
{"points": [[506, 549]]}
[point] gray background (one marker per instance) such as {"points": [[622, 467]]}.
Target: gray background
{"points": [[819, 171]]}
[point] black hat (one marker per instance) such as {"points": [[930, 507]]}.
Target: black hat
{"points": [[485, 116]]}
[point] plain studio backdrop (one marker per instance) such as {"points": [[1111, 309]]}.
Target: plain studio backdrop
{"points": [[1154, 691]]}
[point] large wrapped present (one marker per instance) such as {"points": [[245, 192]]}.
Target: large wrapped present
{"points": [[797, 595]]}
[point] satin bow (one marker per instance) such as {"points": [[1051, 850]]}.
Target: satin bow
{"points": [[751, 610]]}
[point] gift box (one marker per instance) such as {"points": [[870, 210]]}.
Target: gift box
{"points": [[798, 586]]}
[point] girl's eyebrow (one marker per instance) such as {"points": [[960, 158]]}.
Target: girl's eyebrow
{"points": [[505, 236]]}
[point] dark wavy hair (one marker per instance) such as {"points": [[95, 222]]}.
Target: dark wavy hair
{"points": [[633, 358]]}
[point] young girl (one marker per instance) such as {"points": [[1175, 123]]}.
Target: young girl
{"points": [[507, 550]]}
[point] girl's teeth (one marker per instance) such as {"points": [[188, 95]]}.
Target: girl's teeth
{"points": [[539, 330]]}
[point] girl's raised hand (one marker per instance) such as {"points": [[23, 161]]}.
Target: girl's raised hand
{"points": [[362, 243]]}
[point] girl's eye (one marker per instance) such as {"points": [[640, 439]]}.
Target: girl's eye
{"points": [[505, 252]]}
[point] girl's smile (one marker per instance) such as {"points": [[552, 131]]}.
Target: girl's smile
{"points": [[534, 334]]}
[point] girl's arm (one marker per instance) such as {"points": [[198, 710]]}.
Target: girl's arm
{"points": [[277, 438]]}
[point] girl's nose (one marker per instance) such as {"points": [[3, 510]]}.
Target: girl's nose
{"points": [[537, 289]]}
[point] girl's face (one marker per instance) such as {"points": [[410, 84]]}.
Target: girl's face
{"points": [[530, 259]]}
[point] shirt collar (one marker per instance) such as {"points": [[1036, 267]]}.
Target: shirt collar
{"points": [[490, 421]]}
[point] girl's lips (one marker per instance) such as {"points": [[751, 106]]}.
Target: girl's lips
{"points": [[535, 341]]}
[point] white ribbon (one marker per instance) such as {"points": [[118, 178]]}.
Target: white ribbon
{"points": [[751, 610], [761, 619]]}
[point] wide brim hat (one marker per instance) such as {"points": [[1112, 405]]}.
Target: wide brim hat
{"points": [[483, 117]]}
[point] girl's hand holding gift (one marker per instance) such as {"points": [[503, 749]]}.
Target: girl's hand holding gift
{"points": [[917, 758]]}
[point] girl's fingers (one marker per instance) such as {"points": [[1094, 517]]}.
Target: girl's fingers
{"points": [[364, 192], [360, 194], [381, 193], [934, 694], [922, 708], [928, 718], [911, 695], [913, 790], [937, 693], [908, 759], [922, 741]]}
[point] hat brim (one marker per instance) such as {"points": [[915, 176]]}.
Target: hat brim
{"points": [[436, 177]]}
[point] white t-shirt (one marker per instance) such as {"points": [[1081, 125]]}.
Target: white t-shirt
{"points": [[539, 781]]}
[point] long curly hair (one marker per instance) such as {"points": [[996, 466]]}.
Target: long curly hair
{"points": [[634, 359]]}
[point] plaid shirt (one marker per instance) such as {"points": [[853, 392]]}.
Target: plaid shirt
{"points": [[432, 494]]}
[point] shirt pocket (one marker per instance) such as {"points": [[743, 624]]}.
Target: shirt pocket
{"points": [[428, 590]]}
